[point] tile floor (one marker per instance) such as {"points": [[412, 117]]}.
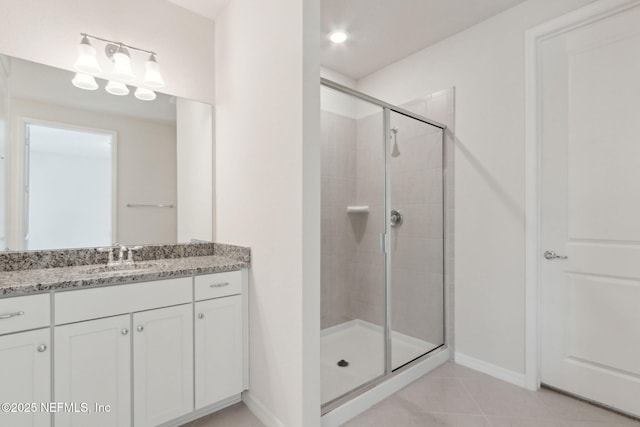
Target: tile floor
{"points": [[455, 396], [237, 415]]}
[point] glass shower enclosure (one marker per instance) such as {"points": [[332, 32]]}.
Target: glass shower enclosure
{"points": [[382, 222]]}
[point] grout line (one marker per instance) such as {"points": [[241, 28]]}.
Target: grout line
{"points": [[464, 386]]}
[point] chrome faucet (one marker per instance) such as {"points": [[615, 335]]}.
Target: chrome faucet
{"points": [[130, 250], [112, 261], [109, 250], [121, 254]]}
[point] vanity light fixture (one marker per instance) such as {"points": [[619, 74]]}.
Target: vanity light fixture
{"points": [[152, 77], [117, 88], [87, 65], [145, 94], [121, 63], [84, 81], [87, 61]]}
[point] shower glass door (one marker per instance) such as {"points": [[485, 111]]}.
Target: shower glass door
{"points": [[416, 237], [352, 264], [382, 221]]}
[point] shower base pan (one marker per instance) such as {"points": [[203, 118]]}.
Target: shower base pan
{"points": [[361, 345]]}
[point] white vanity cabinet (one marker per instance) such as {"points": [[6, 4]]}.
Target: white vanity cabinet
{"points": [[147, 354], [93, 366], [25, 376], [162, 364], [219, 338], [25, 360]]}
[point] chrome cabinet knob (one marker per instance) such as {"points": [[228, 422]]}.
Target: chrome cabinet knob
{"points": [[200, 316], [552, 255], [140, 328], [125, 331], [42, 348]]}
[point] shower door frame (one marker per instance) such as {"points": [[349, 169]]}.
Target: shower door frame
{"points": [[385, 243]]}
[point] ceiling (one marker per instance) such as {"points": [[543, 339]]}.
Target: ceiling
{"points": [[381, 32], [207, 8]]}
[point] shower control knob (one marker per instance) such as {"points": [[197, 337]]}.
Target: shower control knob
{"points": [[396, 219]]}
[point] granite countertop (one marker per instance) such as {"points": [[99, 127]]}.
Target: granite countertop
{"points": [[36, 280]]}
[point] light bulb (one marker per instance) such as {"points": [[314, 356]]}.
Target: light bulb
{"points": [[145, 94], [122, 66], [84, 81], [152, 77], [87, 61], [117, 88], [338, 37]]}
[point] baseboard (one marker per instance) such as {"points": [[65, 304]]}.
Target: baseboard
{"points": [[260, 411], [490, 369]]}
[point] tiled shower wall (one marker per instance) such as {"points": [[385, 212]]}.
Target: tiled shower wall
{"points": [[353, 174], [367, 290], [338, 182]]}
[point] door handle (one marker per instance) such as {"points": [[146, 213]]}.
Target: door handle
{"points": [[552, 255]]}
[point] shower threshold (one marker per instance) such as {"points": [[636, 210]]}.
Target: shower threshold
{"points": [[361, 343]]}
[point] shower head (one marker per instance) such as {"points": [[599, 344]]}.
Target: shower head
{"points": [[395, 152]]}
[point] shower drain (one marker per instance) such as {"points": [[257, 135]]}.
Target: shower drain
{"points": [[342, 363]]}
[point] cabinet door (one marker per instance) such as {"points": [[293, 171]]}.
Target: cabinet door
{"points": [[25, 376], [93, 366], [218, 347], [162, 364]]}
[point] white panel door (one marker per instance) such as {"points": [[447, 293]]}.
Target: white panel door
{"points": [[162, 364], [590, 183], [93, 366], [25, 376], [218, 346]]}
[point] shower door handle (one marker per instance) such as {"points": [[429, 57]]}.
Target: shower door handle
{"points": [[552, 255], [383, 243]]}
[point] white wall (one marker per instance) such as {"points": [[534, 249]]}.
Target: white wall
{"points": [[48, 32], [195, 170], [486, 65], [4, 143], [268, 193]]}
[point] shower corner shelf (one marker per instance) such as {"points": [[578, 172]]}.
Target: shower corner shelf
{"points": [[357, 209]]}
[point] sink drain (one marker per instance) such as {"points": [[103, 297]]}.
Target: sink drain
{"points": [[342, 363]]}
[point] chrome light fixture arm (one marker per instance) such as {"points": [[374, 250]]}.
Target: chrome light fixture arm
{"points": [[116, 44]]}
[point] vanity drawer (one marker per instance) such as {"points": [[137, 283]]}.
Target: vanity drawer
{"points": [[22, 313], [218, 285], [85, 304]]}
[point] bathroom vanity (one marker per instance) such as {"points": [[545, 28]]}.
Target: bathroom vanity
{"points": [[158, 342]]}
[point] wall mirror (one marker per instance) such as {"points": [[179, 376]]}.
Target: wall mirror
{"points": [[84, 168]]}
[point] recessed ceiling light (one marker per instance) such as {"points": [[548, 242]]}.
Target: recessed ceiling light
{"points": [[338, 37]]}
